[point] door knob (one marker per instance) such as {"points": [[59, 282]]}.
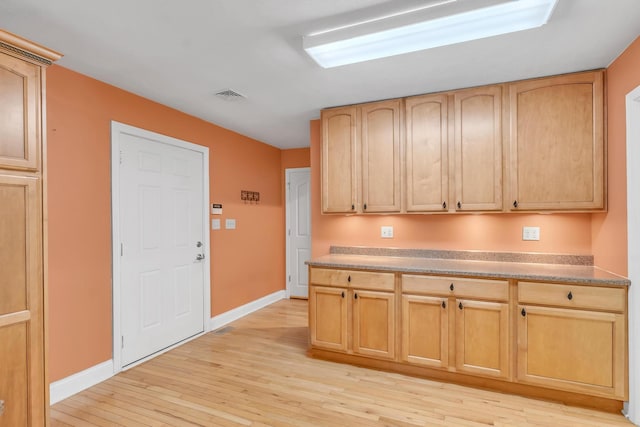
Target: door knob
{"points": [[199, 257], [199, 245]]}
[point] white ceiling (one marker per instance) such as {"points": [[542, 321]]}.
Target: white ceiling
{"points": [[180, 53]]}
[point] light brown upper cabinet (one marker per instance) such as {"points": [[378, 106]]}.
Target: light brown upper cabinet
{"points": [[427, 167], [478, 149], [557, 143], [19, 113], [339, 173], [468, 125], [361, 158], [380, 139]]}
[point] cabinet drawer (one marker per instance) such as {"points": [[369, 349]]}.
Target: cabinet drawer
{"points": [[495, 290], [574, 296], [351, 278]]}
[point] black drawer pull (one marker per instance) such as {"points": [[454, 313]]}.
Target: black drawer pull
{"points": [[349, 279], [444, 205], [353, 207], [342, 294], [444, 304], [459, 205], [355, 296], [570, 296], [523, 312], [451, 287], [515, 203], [365, 206], [460, 306]]}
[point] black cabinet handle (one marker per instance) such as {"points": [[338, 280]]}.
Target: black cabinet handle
{"points": [[444, 205], [444, 304], [515, 203], [349, 279], [570, 296], [451, 287], [342, 294], [355, 296], [523, 312], [365, 206], [353, 207], [459, 205], [460, 306]]}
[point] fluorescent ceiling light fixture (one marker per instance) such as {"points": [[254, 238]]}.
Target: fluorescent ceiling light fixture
{"points": [[440, 24]]}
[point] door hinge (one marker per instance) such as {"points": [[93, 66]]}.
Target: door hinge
{"points": [[121, 157], [289, 277], [122, 341], [121, 249], [289, 231]]}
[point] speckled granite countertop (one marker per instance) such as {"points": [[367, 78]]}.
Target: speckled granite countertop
{"points": [[458, 264]]}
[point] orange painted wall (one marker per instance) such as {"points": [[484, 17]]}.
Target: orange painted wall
{"points": [[295, 158], [560, 233], [247, 263], [610, 229]]}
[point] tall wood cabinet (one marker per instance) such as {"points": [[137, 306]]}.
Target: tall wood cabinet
{"points": [[23, 385]]}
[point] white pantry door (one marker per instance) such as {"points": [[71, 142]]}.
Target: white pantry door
{"points": [[162, 236], [298, 231]]}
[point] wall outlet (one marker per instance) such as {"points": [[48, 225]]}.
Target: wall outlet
{"points": [[215, 223], [530, 233], [386, 232], [230, 224]]}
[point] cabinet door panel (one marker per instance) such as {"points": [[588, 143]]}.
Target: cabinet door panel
{"points": [[14, 375], [19, 112], [328, 317], [381, 156], [339, 183], [18, 233], [373, 323], [572, 350], [557, 143], [482, 338], [427, 171], [478, 148], [425, 331]]}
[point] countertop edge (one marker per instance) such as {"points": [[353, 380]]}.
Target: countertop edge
{"points": [[622, 282]]}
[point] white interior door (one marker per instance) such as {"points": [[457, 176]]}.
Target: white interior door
{"points": [[633, 230], [298, 231], [162, 280]]}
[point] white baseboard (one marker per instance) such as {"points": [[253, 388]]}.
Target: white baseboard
{"points": [[235, 314], [75, 383]]}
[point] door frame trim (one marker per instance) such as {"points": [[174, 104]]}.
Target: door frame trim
{"points": [[633, 251], [287, 237], [118, 128]]}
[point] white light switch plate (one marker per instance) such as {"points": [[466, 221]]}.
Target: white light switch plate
{"points": [[230, 224], [530, 233], [386, 232]]}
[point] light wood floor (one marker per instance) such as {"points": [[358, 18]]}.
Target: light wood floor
{"points": [[255, 373]]}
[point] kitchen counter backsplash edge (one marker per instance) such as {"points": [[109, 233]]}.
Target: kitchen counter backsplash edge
{"points": [[519, 257]]}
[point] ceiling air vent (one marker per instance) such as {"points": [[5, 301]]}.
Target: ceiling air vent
{"points": [[230, 95]]}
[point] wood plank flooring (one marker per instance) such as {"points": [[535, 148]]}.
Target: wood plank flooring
{"points": [[255, 372]]}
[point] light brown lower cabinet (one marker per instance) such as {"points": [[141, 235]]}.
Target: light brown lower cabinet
{"points": [[353, 319], [573, 345], [482, 338], [524, 337]]}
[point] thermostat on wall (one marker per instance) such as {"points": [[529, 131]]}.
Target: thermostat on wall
{"points": [[216, 209]]}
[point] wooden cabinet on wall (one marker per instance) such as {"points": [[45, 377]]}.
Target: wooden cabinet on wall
{"points": [[540, 142], [465, 126], [23, 385], [352, 311], [361, 158], [557, 143], [572, 338], [473, 315]]}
